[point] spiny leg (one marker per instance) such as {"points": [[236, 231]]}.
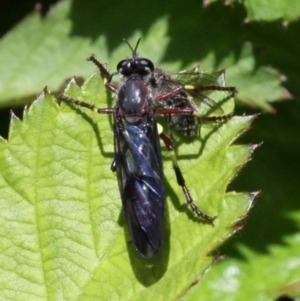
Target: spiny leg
{"points": [[199, 88], [192, 112], [105, 74], [181, 182], [107, 79], [89, 106], [214, 118]]}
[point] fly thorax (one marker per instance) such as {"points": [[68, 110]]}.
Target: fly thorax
{"points": [[134, 100]]}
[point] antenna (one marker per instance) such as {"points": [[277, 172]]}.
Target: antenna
{"points": [[135, 48]]}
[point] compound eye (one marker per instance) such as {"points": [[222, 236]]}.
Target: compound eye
{"points": [[121, 65], [147, 64], [136, 66]]}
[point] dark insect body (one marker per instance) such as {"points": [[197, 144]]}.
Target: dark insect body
{"points": [[143, 94], [197, 87]]}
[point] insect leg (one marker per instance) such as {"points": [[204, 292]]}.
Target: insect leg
{"points": [[169, 94], [181, 181], [105, 74], [214, 118], [200, 88], [178, 111], [89, 106]]}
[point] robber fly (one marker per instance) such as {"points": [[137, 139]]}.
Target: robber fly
{"points": [[137, 160]]}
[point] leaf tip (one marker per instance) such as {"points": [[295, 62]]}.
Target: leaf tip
{"points": [[70, 84], [42, 94], [238, 228], [249, 118], [40, 97], [197, 68], [26, 108], [287, 95], [253, 147], [218, 258], [223, 71], [254, 116], [255, 194], [253, 197], [45, 90], [13, 115]]}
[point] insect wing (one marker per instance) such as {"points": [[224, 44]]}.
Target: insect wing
{"points": [[195, 78], [140, 176]]}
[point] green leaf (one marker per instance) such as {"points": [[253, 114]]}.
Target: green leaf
{"points": [[40, 52], [257, 87], [267, 277], [262, 263], [268, 10], [63, 232]]}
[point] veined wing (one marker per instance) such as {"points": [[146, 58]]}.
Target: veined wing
{"points": [[202, 99]]}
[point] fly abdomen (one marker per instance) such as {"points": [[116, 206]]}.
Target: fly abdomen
{"points": [[143, 190]]}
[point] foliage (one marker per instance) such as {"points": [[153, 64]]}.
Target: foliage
{"points": [[61, 234]]}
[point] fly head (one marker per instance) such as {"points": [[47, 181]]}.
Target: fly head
{"points": [[135, 66]]}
